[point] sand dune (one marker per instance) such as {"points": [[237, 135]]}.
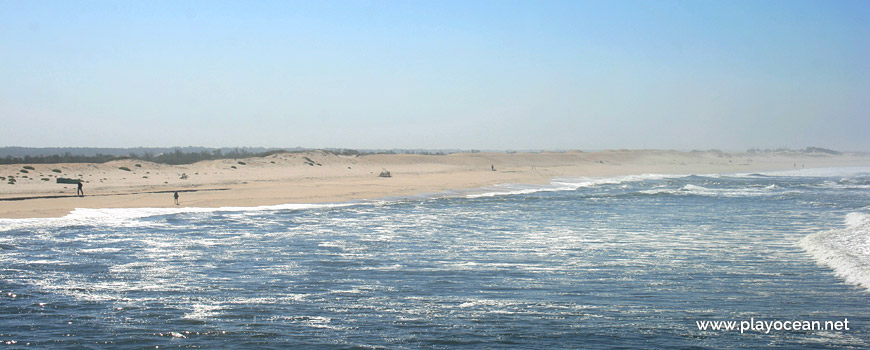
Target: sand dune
{"points": [[317, 176]]}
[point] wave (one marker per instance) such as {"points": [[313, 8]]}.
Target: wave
{"points": [[516, 189], [695, 190], [847, 250], [564, 184], [127, 217], [857, 183]]}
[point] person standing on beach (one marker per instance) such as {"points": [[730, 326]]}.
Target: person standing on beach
{"points": [[176, 197], [79, 191]]}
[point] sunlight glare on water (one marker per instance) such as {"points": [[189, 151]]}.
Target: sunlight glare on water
{"points": [[629, 262]]}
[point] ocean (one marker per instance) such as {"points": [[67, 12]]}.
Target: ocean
{"points": [[779, 259]]}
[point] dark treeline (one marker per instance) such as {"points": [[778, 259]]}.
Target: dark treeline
{"points": [[805, 150], [174, 156], [65, 158], [121, 152]]}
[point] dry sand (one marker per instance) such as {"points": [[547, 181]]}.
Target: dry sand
{"points": [[314, 177]]}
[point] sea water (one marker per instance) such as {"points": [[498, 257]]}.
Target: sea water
{"points": [[646, 261]]}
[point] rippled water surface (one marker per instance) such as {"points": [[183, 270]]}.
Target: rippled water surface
{"points": [[630, 262]]}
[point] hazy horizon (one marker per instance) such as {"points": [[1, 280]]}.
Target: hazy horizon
{"points": [[487, 75], [18, 151]]}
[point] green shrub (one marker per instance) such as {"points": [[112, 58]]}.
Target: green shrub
{"points": [[125, 168], [138, 165], [28, 167], [56, 170], [242, 163], [24, 171], [45, 179]]}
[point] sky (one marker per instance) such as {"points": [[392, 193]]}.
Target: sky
{"points": [[492, 75]]}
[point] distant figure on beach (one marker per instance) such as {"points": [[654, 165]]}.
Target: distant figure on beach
{"points": [[176, 197], [492, 166], [79, 191]]}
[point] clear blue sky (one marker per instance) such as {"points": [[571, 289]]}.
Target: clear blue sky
{"points": [[438, 74]]}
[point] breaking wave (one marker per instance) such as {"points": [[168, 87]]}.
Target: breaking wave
{"points": [[846, 250]]}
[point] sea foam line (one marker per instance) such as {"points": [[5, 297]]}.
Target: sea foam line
{"points": [[127, 217], [564, 184], [847, 250]]}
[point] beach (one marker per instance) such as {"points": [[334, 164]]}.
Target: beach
{"points": [[651, 260], [325, 177]]}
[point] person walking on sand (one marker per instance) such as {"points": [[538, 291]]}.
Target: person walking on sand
{"points": [[79, 191], [176, 197]]}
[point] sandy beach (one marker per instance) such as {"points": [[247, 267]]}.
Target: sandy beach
{"points": [[317, 176]]}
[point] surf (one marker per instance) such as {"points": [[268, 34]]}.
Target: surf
{"points": [[846, 250]]}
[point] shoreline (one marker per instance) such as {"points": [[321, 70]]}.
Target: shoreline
{"points": [[322, 177]]}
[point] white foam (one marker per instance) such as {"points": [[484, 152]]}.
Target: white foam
{"points": [[515, 189], [615, 180], [847, 250], [203, 312], [696, 190], [565, 184], [127, 217]]}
